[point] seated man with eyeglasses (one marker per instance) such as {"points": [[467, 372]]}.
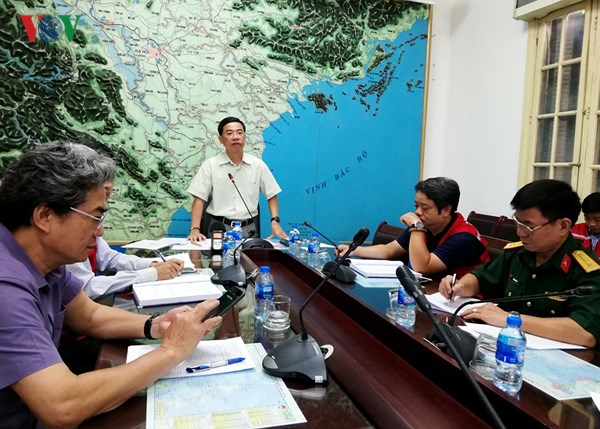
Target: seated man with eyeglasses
{"points": [[213, 182], [52, 202], [547, 259]]}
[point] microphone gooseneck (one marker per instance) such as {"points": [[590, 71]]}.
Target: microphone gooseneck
{"points": [[240, 194], [579, 291], [358, 239], [333, 243], [412, 286], [250, 235]]}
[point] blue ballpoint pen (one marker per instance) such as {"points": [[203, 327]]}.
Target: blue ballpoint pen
{"points": [[161, 256], [206, 366]]}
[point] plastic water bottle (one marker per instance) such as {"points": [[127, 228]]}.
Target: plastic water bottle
{"points": [[228, 248], [313, 250], [294, 238], [407, 309], [510, 355], [237, 236], [265, 289]]}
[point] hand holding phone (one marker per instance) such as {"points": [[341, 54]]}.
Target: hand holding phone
{"points": [[226, 302]]}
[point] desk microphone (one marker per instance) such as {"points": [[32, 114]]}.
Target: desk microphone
{"points": [[342, 273], [413, 288], [233, 275], [300, 356], [255, 242]]}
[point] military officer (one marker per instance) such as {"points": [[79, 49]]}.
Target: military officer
{"points": [[547, 259]]}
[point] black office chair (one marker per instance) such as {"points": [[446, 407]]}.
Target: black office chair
{"points": [[386, 233]]}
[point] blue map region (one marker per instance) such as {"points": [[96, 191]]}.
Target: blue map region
{"points": [[350, 167], [355, 163]]}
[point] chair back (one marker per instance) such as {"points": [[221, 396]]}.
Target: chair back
{"points": [[386, 233], [507, 230], [485, 224]]}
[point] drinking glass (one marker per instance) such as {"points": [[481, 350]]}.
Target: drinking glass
{"points": [[322, 259], [278, 313], [484, 356], [393, 308]]}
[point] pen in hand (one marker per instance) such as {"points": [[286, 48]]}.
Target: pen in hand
{"points": [[207, 366], [161, 256], [452, 287]]}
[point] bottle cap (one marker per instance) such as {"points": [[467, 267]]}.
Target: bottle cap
{"points": [[514, 320], [237, 223], [265, 269], [315, 234]]}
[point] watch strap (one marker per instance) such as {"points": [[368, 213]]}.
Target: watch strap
{"points": [[148, 326]]}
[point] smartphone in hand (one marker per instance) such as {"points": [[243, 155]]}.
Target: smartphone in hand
{"points": [[227, 301]]}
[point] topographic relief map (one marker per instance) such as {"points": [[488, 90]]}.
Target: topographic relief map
{"points": [[332, 94]]}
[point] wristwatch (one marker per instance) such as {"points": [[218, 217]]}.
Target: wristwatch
{"points": [[276, 219], [148, 326], [417, 226]]}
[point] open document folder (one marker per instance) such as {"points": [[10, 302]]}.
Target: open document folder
{"points": [[379, 268], [183, 288]]}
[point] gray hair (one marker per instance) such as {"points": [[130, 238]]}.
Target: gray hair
{"points": [[58, 175]]}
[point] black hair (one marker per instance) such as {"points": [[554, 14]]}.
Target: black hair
{"points": [[591, 203], [554, 198], [229, 120], [443, 191]]}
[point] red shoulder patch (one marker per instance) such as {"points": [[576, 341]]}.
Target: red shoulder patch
{"points": [[565, 264]]}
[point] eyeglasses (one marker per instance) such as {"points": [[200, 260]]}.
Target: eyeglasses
{"points": [[230, 134], [100, 219], [529, 229]]}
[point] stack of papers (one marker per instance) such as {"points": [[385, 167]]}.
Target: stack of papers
{"points": [[188, 265], [206, 352], [438, 302], [375, 267], [379, 268], [183, 288], [161, 243]]}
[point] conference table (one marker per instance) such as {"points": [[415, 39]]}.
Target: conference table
{"points": [[380, 374]]}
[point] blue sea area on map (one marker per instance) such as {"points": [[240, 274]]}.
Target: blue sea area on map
{"points": [[352, 166]]}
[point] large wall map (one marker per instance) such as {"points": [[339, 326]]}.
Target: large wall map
{"points": [[332, 93]]}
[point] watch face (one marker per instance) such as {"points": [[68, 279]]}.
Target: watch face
{"points": [[418, 224]]}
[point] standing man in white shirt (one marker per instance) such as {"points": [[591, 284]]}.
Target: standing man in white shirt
{"points": [[212, 182]]}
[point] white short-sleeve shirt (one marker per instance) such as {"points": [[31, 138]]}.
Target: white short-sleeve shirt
{"points": [[252, 177]]}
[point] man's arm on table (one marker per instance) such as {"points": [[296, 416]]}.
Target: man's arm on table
{"points": [[276, 229], [562, 329], [197, 210], [61, 399], [391, 250]]}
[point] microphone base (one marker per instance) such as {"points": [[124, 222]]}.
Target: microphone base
{"points": [[234, 275], [343, 273], [297, 359], [257, 243], [463, 341]]}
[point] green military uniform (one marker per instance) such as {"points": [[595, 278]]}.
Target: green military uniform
{"points": [[514, 274]]}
